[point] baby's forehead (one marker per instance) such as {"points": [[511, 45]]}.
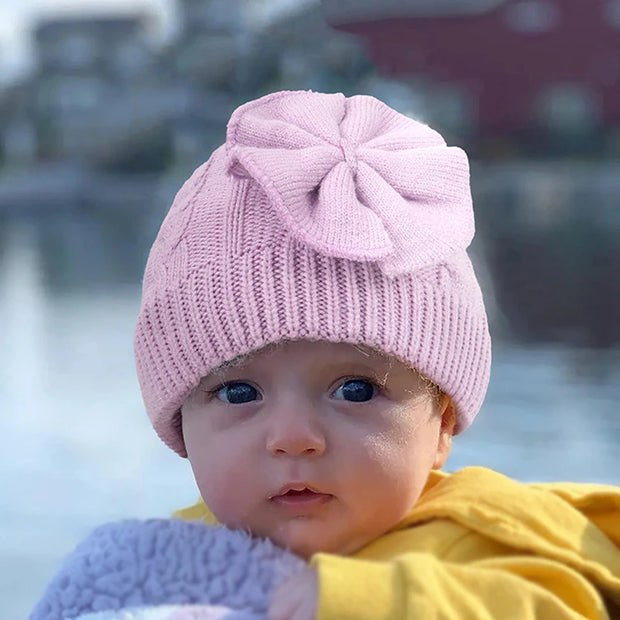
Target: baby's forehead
{"points": [[318, 354]]}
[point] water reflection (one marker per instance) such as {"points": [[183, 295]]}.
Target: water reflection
{"points": [[76, 448]]}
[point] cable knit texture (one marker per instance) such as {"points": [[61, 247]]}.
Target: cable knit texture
{"points": [[166, 569], [322, 217]]}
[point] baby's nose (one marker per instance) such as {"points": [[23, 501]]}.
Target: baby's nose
{"points": [[295, 433]]}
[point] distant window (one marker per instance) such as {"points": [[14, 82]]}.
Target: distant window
{"points": [[611, 11], [213, 15], [69, 95], [532, 16], [131, 58], [572, 108], [20, 141], [77, 51], [212, 58]]}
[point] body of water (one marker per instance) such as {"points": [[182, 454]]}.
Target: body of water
{"points": [[76, 448]]}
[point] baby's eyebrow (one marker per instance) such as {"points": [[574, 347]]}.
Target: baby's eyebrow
{"points": [[244, 358], [236, 362], [364, 350]]}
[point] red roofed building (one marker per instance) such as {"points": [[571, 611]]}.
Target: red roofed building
{"points": [[520, 64]]}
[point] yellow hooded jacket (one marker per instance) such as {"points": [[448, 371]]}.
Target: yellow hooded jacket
{"points": [[479, 545]]}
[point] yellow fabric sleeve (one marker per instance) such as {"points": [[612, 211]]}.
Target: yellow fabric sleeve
{"points": [[418, 585], [197, 512]]}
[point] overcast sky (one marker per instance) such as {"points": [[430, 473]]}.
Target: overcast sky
{"points": [[18, 16]]}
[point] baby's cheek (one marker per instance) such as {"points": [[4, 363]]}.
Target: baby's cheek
{"points": [[228, 494], [374, 462], [389, 442], [395, 466]]}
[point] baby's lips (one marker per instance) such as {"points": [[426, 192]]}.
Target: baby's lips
{"points": [[296, 488], [300, 501]]}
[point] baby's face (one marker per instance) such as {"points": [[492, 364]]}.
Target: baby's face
{"points": [[315, 445]]}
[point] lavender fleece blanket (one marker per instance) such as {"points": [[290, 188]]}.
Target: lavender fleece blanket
{"points": [[166, 569]]}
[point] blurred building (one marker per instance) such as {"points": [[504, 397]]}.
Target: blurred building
{"points": [[206, 61], [18, 141], [85, 137], [212, 43], [112, 47], [98, 87], [531, 76]]}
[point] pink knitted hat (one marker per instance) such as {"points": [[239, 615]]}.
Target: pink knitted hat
{"points": [[322, 217]]}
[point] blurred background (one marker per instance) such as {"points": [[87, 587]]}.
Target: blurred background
{"points": [[106, 108]]}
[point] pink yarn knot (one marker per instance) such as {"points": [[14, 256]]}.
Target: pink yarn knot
{"points": [[349, 155], [354, 179]]}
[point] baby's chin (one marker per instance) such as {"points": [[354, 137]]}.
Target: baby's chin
{"points": [[305, 539]]}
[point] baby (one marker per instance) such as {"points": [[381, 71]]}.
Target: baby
{"points": [[312, 336]]}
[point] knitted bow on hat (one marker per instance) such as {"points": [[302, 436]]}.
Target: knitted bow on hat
{"points": [[353, 178]]}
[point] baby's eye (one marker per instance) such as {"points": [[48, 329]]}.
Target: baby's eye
{"points": [[237, 393], [356, 390]]}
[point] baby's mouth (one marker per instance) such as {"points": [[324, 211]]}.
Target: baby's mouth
{"points": [[298, 497], [304, 494]]}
